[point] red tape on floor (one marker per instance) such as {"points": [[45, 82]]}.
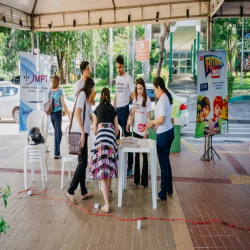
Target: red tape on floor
{"points": [[88, 209]]}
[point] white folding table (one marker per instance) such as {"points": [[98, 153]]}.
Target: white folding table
{"points": [[145, 146]]}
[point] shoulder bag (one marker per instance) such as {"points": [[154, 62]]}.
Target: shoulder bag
{"points": [[48, 108], [75, 137]]}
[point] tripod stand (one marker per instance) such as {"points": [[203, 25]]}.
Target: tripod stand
{"points": [[212, 151]]}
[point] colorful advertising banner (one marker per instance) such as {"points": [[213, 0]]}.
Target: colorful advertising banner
{"points": [[212, 96], [34, 84], [142, 51]]}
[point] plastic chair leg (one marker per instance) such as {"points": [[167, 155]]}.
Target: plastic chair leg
{"points": [[100, 186], [69, 171], [62, 175], [42, 167], [32, 172], [25, 169]]}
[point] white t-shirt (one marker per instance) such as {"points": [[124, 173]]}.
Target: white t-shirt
{"points": [[140, 120], [124, 87], [163, 108], [79, 85], [80, 104]]}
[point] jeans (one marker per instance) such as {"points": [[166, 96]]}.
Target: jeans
{"points": [[122, 114], [79, 175], [144, 177], [163, 142], [56, 119]]}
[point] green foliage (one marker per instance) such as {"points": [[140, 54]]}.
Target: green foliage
{"points": [[4, 194], [154, 53], [198, 108], [164, 74], [230, 83], [139, 76]]}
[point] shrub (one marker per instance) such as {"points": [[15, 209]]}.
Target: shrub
{"points": [[164, 74], [230, 83]]}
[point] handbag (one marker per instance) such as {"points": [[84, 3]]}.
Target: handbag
{"points": [[75, 137], [131, 118], [48, 108]]}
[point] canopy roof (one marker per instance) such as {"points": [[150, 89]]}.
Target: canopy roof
{"points": [[59, 15]]}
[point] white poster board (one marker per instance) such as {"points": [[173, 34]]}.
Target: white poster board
{"points": [[212, 95], [34, 84]]}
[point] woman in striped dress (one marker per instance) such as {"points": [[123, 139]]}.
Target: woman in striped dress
{"points": [[103, 163]]}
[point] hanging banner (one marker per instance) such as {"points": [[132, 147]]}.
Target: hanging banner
{"points": [[34, 84], [212, 95], [142, 50]]}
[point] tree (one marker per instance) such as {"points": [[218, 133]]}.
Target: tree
{"points": [[165, 31], [226, 36], [12, 42], [56, 43]]}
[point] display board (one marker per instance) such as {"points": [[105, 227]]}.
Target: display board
{"points": [[34, 84], [212, 94]]}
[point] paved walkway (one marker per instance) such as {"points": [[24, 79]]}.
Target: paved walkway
{"points": [[185, 85], [202, 191]]}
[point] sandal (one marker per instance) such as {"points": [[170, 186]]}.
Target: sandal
{"points": [[86, 196], [72, 198], [110, 194], [105, 209]]}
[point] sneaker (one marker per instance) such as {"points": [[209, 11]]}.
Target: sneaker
{"points": [[129, 173]]}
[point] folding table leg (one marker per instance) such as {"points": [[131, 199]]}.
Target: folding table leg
{"points": [[120, 177], [125, 159], [153, 176]]}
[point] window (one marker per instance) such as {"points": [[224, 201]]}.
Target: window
{"points": [[188, 55], [176, 55], [1, 91], [183, 55], [11, 91]]}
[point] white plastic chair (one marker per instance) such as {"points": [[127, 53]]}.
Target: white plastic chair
{"points": [[36, 153], [67, 158]]}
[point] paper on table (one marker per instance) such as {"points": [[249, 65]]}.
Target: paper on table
{"points": [[129, 142], [146, 143]]}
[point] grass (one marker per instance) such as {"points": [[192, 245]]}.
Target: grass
{"points": [[100, 84], [245, 83]]}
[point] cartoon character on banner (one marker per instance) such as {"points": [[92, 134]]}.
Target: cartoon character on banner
{"points": [[205, 111], [217, 108]]}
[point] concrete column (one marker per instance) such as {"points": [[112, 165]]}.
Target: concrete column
{"points": [[32, 41], [133, 53], [192, 46], [110, 57], [194, 58], [171, 57], [146, 63]]}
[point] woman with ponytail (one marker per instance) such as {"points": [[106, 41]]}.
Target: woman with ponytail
{"points": [[103, 163], [165, 135]]}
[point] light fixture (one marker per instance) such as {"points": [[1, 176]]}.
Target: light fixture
{"points": [[187, 13], [4, 19], [241, 11], [50, 25], [74, 23], [100, 21], [21, 23], [129, 18], [157, 16]]}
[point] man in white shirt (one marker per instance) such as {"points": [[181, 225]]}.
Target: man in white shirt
{"points": [[85, 71], [125, 92]]}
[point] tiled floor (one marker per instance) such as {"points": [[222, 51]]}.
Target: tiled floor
{"points": [[202, 192]]}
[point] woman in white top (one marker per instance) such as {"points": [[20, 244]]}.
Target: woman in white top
{"points": [[165, 135], [83, 95], [142, 109]]}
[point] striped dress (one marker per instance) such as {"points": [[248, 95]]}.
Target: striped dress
{"points": [[103, 163]]}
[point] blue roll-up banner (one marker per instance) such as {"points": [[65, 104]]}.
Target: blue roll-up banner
{"points": [[212, 96], [34, 85]]}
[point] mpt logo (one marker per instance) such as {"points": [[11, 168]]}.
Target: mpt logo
{"points": [[30, 77]]}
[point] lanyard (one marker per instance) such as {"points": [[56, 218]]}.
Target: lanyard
{"points": [[161, 95]]}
